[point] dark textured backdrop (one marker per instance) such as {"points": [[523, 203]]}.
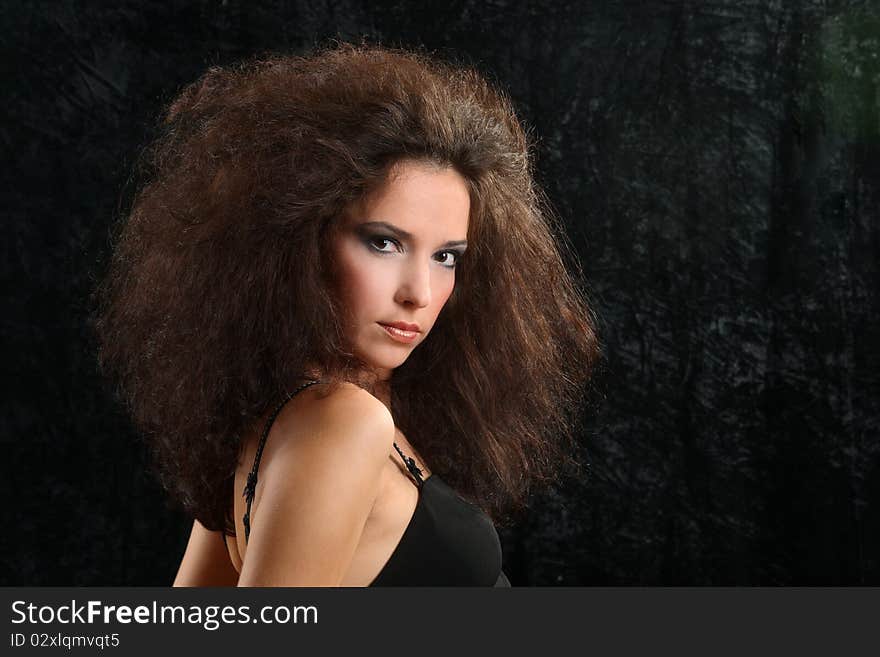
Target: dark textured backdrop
{"points": [[717, 165]]}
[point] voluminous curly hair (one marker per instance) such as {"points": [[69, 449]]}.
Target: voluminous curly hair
{"points": [[217, 296]]}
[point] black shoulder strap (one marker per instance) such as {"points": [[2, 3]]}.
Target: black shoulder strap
{"points": [[410, 462], [251, 485]]}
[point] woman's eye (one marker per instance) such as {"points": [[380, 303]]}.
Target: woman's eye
{"points": [[451, 262], [380, 244], [378, 239]]}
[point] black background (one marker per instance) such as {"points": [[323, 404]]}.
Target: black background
{"points": [[717, 165]]}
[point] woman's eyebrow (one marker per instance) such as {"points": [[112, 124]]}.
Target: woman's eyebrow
{"points": [[399, 232]]}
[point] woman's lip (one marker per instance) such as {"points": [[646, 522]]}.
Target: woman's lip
{"points": [[403, 326], [399, 335]]}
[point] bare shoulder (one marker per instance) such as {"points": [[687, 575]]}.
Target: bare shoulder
{"points": [[344, 399], [323, 466], [346, 410], [346, 420]]}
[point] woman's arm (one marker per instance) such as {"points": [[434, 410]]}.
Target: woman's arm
{"points": [[206, 561], [319, 486]]}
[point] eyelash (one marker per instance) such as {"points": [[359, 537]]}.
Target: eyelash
{"points": [[383, 238]]}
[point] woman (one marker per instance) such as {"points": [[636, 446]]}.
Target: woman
{"points": [[340, 313]]}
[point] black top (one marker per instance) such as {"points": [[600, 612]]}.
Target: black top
{"points": [[448, 541]]}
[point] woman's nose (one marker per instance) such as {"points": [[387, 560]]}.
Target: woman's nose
{"points": [[415, 285]]}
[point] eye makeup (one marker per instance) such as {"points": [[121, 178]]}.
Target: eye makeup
{"points": [[401, 234], [371, 239]]}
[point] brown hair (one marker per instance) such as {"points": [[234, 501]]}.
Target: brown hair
{"points": [[216, 296]]}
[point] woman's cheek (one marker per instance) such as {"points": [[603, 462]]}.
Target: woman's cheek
{"points": [[447, 292]]}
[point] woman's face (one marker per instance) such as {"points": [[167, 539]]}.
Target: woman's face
{"points": [[395, 255]]}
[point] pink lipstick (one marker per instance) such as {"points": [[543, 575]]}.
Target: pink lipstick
{"points": [[399, 334]]}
